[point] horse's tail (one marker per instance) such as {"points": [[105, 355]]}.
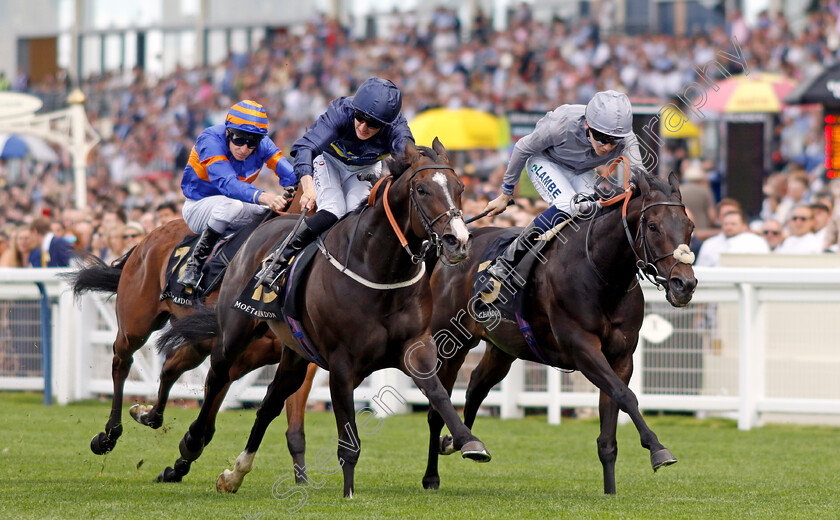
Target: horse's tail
{"points": [[192, 329], [96, 275]]}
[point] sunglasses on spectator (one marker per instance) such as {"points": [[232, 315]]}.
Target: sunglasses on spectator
{"points": [[798, 217], [366, 119], [135, 235], [604, 138], [241, 140], [771, 232]]}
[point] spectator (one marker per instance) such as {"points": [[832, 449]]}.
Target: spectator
{"points": [[49, 250], [797, 193], [723, 207], [773, 233], [697, 195], [735, 238], [801, 240], [165, 212], [133, 233], [823, 224], [20, 246]]}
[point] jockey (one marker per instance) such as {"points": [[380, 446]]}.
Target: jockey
{"points": [[560, 156], [224, 162], [339, 156]]}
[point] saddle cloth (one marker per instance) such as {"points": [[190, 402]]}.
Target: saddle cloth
{"points": [[212, 272]]}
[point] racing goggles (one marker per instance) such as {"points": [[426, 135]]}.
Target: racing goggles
{"points": [[366, 119], [603, 138], [249, 140]]}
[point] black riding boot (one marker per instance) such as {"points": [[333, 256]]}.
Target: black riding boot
{"points": [[515, 252], [192, 271], [312, 227]]}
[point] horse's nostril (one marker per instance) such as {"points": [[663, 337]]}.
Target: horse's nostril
{"points": [[677, 284], [450, 241]]}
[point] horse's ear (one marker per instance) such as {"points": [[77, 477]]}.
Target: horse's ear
{"points": [[411, 153], [642, 182], [437, 146], [675, 185]]}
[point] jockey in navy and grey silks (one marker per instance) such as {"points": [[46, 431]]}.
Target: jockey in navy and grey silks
{"points": [[339, 156]]}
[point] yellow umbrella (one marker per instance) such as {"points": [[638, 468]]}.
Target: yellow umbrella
{"points": [[754, 92], [459, 129], [675, 125]]}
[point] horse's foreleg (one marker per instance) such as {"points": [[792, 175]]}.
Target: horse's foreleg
{"points": [[349, 447], [295, 410], [607, 445], [493, 367], [288, 378], [104, 442], [591, 362], [420, 362], [176, 363], [441, 445]]}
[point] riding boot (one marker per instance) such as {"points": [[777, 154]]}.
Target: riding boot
{"points": [[515, 252], [312, 227], [192, 271]]}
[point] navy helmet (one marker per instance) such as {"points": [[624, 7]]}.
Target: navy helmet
{"points": [[379, 99]]}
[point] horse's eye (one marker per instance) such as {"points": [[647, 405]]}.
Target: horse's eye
{"points": [[421, 190], [652, 226]]}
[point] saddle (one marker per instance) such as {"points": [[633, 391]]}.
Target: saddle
{"points": [[506, 301], [212, 272], [264, 304]]}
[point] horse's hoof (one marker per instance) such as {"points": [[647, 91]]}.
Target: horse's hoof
{"points": [[222, 485], [476, 451], [168, 475], [662, 458], [447, 445], [100, 444], [432, 483]]}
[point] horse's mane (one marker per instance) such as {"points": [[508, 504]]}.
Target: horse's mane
{"points": [[397, 164], [655, 182]]}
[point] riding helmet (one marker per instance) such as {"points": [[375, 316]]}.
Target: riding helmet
{"points": [[610, 112], [247, 116], [378, 98]]}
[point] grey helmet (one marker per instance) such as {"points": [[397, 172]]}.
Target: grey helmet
{"points": [[378, 98], [610, 112]]}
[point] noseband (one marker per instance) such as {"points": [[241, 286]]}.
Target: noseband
{"points": [[434, 239]]}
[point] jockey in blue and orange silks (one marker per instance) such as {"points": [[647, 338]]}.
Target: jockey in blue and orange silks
{"points": [[224, 162]]}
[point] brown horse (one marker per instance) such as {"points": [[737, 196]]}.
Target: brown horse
{"points": [[137, 279], [585, 310], [374, 315]]}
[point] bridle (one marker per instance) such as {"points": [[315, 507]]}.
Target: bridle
{"points": [[645, 266], [434, 238]]}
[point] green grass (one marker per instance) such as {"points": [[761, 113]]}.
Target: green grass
{"points": [[537, 471]]}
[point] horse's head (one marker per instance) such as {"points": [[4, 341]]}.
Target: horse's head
{"points": [[435, 199], [665, 232]]}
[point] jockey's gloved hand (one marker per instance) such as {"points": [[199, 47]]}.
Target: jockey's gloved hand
{"points": [[370, 175], [586, 204]]}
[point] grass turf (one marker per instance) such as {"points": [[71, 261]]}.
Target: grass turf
{"points": [[537, 471]]}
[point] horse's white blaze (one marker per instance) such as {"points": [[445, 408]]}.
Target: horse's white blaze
{"points": [[459, 228]]}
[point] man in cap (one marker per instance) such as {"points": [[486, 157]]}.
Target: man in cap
{"points": [[560, 156]]}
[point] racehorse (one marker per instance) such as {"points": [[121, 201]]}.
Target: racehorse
{"points": [[370, 313], [585, 309], [138, 279]]}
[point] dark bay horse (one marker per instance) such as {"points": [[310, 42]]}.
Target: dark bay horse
{"points": [[585, 310], [375, 315], [138, 279]]}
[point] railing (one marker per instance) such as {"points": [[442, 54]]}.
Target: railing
{"points": [[754, 342]]}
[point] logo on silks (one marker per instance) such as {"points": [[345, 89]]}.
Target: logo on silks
{"points": [[483, 308]]}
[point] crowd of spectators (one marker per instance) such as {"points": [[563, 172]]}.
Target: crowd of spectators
{"points": [[149, 124]]}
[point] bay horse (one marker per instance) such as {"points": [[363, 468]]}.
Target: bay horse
{"points": [[585, 309], [371, 313], [137, 279]]}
